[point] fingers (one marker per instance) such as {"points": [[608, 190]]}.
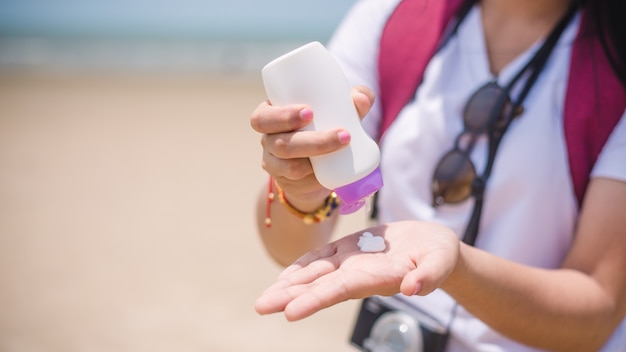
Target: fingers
{"points": [[289, 289], [304, 144], [308, 287], [331, 289], [300, 301], [286, 155], [277, 300], [270, 119], [293, 280], [286, 147], [428, 275], [287, 169], [276, 119], [274, 300], [423, 280], [418, 282], [363, 99], [323, 295], [323, 252]]}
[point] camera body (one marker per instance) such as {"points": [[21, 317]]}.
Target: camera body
{"points": [[389, 324]]}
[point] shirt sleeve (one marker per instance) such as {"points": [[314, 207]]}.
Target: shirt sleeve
{"points": [[355, 45], [611, 162]]}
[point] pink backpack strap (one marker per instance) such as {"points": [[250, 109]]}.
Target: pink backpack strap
{"points": [[594, 103], [408, 42], [595, 98]]}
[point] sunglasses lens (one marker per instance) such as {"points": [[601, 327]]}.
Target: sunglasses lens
{"points": [[479, 107], [452, 181]]}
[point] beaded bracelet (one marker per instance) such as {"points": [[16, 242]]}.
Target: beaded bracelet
{"points": [[318, 215]]}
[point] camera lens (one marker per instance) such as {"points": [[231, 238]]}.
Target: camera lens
{"points": [[395, 332]]}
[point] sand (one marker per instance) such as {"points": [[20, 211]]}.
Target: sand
{"points": [[126, 218]]}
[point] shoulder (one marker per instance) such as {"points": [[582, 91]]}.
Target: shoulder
{"points": [[363, 22], [611, 161], [355, 45]]}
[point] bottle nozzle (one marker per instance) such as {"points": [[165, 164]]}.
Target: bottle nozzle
{"points": [[353, 196]]}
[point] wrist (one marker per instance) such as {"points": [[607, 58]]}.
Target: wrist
{"points": [[459, 271], [304, 203], [322, 211], [319, 214]]}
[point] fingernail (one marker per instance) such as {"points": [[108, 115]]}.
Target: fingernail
{"points": [[344, 136], [306, 114], [418, 288], [365, 96]]}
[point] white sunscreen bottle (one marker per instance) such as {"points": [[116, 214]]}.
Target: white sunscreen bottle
{"points": [[310, 75]]}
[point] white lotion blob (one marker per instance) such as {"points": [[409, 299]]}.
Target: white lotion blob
{"points": [[370, 243]]}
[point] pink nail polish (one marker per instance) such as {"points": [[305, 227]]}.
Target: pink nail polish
{"points": [[344, 136], [306, 114]]}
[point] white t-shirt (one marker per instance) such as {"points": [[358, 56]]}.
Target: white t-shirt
{"points": [[530, 208]]}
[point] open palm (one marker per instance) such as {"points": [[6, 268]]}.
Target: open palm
{"points": [[418, 258]]}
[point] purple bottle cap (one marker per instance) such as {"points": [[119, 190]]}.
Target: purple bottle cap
{"points": [[354, 195]]}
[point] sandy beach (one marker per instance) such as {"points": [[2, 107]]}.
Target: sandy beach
{"points": [[126, 218]]}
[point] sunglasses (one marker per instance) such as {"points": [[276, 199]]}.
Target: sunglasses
{"points": [[487, 112]]}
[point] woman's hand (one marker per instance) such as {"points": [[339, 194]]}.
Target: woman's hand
{"points": [[418, 258], [286, 148]]}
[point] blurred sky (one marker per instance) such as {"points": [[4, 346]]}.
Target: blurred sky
{"points": [[159, 35], [213, 19]]}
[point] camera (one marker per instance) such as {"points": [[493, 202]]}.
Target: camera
{"points": [[390, 324]]}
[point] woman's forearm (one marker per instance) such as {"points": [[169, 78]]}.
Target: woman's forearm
{"points": [[289, 237], [550, 309]]}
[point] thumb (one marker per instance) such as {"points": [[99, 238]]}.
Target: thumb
{"points": [[424, 279], [363, 99]]}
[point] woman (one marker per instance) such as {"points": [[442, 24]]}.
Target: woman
{"points": [[541, 272]]}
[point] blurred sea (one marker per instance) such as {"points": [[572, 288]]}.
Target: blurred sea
{"points": [[162, 35]]}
